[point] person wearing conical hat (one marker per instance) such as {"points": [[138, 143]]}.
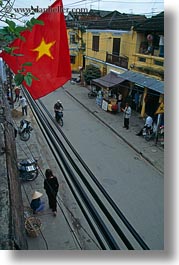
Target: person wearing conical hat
{"points": [[36, 204]]}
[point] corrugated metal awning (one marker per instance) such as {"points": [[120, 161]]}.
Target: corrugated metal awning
{"points": [[110, 80], [144, 80]]}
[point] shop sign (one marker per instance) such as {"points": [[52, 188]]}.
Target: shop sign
{"points": [[104, 105]]}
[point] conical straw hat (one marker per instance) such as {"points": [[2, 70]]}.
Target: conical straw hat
{"points": [[36, 195]]}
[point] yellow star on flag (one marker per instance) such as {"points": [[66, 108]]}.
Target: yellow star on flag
{"points": [[44, 49]]}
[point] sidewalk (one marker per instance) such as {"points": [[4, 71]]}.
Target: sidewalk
{"points": [[57, 233], [154, 154]]}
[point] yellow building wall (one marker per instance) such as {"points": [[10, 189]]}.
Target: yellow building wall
{"points": [[74, 49], [127, 48], [103, 45]]}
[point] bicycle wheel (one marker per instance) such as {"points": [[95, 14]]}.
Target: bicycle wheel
{"points": [[25, 136]]}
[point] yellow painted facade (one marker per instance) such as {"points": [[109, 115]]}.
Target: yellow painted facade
{"points": [[81, 45], [75, 41], [129, 46]]}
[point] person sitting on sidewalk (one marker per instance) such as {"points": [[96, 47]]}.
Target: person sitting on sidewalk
{"points": [[148, 125], [36, 204]]}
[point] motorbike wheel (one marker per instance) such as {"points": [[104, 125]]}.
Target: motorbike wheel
{"points": [[90, 95], [25, 136], [29, 176], [147, 137]]}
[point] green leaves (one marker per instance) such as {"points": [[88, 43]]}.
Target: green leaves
{"points": [[91, 72], [7, 35], [20, 29], [12, 31], [33, 22], [10, 50], [23, 75], [28, 77], [27, 64], [12, 24], [18, 79]]}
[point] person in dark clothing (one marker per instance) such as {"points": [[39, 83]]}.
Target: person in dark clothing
{"points": [[58, 109], [58, 106], [51, 186]]}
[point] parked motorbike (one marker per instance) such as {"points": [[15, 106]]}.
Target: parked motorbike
{"points": [[25, 130], [148, 134], [59, 117], [92, 94], [28, 169], [75, 80]]}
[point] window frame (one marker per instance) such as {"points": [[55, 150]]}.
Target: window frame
{"points": [[95, 43], [72, 59]]}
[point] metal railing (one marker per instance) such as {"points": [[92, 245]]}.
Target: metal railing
{"points": [[121, 61]]}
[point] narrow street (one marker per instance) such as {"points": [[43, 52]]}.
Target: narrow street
{"points": [[133, 183]]}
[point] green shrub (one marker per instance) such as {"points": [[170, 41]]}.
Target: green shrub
{"points": [[91, 72]]}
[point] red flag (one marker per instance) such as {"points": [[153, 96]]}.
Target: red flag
{"points": [[46, 47]]}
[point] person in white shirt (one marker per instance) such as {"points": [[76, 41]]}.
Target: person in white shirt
{"points": [[148, 125], [148, 122], [23, 103], [127, 114], [119, 102]]}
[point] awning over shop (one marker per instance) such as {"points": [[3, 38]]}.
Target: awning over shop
{"points": [[144, 80], [110, 80]]}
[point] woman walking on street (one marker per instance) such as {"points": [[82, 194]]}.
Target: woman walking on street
{"points": [[51, 186]]}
